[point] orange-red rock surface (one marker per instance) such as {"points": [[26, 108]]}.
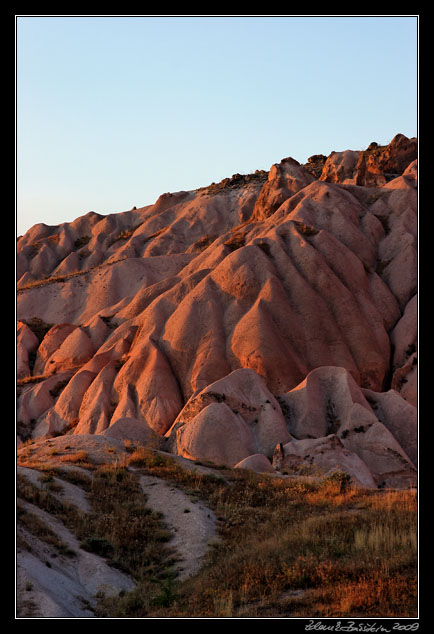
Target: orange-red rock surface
{"points": [[270, 309]]}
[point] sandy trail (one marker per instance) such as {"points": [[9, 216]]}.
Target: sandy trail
{"points": [[53, 586], [192, 523]]}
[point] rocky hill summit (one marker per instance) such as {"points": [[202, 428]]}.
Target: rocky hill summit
{"points": [[268, 321]]}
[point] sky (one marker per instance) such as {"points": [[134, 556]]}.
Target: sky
{"points": [[112, 111]]}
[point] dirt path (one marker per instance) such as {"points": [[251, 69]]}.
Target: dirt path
{"points": [[192, 523], [50, 585]]}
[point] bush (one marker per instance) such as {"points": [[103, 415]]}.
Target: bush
{"points": [[97, 545]]}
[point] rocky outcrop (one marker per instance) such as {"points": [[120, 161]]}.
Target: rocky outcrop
{"points": [[256, 462], [379, 164], [373, 167], [238, 410], [284, 179], [329, 403], [207, 317], [322, 456], [27, 343]]}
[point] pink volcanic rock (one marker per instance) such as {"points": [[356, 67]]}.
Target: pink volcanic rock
{"points": [[146, 387], [44, 261], [410, 173], [242, 274], [97, 331], [52, 341], [388, 463], [80, 297], [315, 164], [404, 335], [340, 167], [384, 300], [120, 331], [27, 342], [117, 352], [379, 162], [257, 462], [321, 403], [401, 274], [96, 257], [373, 166], [132, 429], [65, 412], [409, 387], [25, 280], [297, 322], [195, 222], [284, 179], [247, 396], [216, 434], [194, 339], [400, 418], [34, 234], [335, 209], [328, 402], [404, 380], [96, 407], [322, 455], [319, 274], [74, 351], [167, 200], [70, 264], [37, 398]]}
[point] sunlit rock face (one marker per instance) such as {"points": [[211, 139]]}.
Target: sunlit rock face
{"points": [[266, 310]]}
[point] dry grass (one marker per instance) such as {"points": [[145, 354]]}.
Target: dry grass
{"points": [[57, 279], [236, 181], [124, 235], [304, 229], [27, 380], [81, 242], [79, 457], [38, 326], [297, 548], [120, 528], [286, 547], [236, 240], [201, 244], [35, 525]]}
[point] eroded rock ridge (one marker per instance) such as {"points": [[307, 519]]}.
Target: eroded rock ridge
{"points": [[268, 321]]}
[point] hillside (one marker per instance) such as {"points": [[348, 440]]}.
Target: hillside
{"points": [[271, 309], [216, 399]]}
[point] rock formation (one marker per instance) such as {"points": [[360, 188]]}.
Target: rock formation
{"points": [[271, 309]]}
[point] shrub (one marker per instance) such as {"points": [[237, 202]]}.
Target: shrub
{"points": [[81, 242], [98, 545]]}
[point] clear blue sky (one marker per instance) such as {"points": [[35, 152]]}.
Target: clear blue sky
{"points": [[114, 111]]}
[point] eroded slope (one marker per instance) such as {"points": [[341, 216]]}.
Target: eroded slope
{"points": [[132, 315]]}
